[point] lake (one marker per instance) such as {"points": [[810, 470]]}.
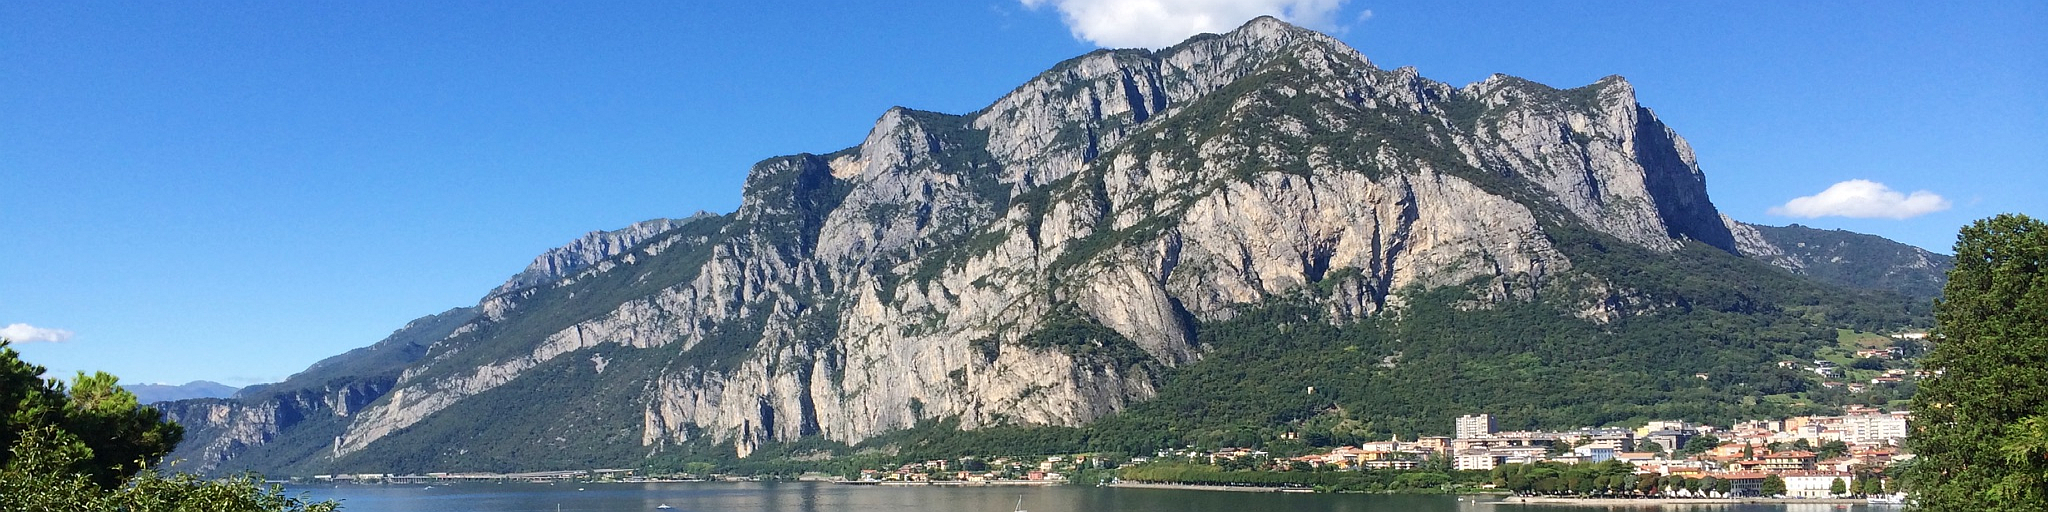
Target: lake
{"points": [[826, 497]]}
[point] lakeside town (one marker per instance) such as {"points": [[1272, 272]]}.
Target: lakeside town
{"points": [[1798, 457], [1808, 457]]}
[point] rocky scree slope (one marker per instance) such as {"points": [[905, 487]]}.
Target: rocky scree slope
{"points": [[1042, 261]]}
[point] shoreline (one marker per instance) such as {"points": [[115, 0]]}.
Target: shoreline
{"points": [[949, 483], [1548, 500], [1195, 487]]}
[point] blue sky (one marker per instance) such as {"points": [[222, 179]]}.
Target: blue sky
{"points": [[233, 190]]}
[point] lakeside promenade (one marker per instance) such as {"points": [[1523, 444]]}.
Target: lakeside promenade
{"points": [[1194, 487], [1547, 500], [1528, 500]]}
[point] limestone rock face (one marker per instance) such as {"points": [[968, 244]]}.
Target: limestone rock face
{"points": [[587, 250], [1042, 260], [218, 430], [1602, 156], [1751, 242]]}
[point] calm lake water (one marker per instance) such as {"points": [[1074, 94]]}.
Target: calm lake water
{"points": [[824, 497]]}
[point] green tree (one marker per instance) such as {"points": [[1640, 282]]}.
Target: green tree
{"points": [[1724, 487], [123, 435], [1646, 484], [87, 447], [1971, 424], [1831, 449], [1650, 446], [1772, 486], [1700, 444], [1838, 487], [41, 477], [115, 435]]}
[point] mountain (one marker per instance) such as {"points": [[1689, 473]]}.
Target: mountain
{"points": [[1133, 249], [592, 248], [1847, 258], [152, 393]]}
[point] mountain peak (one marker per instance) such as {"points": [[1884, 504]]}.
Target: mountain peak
{"points": [[1050, 258], [1267, 23]]}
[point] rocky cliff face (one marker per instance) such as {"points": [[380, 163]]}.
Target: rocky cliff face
{"points": [[590, 249], [1041, 261], [317, 399]]}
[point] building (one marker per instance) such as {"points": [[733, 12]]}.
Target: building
{"points": [[1433, 444], [1766, 425], [1392, 464], [1671, 440], [1793, 460], [1730, 451], [1665, 425], [1475, 459], [1873, 428], [1475, 425], [1618, 439], [1744, 483], [1594, 453], [1813, 484]]}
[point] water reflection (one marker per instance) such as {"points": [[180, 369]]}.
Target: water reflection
{"points": [[821, 497]]}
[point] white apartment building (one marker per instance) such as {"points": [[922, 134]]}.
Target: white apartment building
{"points": [[1475, 425], [1873, 428]]}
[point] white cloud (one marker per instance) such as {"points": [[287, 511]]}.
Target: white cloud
{"points": [[1863, 199], [1161, 23], [24, 333]]}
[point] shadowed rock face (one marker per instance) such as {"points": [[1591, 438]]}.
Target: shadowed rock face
{"points": [[1039, 261]]}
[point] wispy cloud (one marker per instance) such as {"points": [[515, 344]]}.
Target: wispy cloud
{"points": [[25, 333], [1863, 199], [1160, 23]]}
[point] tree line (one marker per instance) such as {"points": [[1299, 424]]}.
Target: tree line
{"points": [[86, 445]]}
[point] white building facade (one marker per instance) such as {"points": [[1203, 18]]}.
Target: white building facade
{"points": [[1873, 428], [1475, 425]]}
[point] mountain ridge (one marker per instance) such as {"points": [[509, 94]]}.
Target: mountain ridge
{"points": [[1060, 257], [152, 393]]}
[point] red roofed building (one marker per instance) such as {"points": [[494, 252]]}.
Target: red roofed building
{"points": [[1745, 483]]}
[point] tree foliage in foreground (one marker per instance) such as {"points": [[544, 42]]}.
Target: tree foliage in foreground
{"points": [[86, 447], [1980, 429]]}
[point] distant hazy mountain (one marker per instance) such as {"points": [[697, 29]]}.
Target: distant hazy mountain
{"points": [[1159, 247], [152, 393]]}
